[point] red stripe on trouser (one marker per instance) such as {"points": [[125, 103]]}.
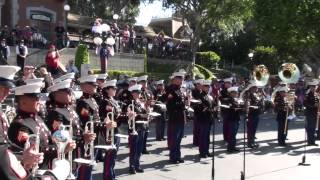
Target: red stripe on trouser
{"points": [[106, 172], [170, 135]]}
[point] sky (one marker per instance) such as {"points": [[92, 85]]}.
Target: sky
{"points": [[147, 11]]}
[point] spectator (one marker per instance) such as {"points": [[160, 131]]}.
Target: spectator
{"points": [[132, 39], [27, 36], [60, 31], [4, 52], [53, 61], [18, 33], [5, 32], [48, 81], [125, 38], [28, 73], [170, 47], [22, 52], [71, 68], [37, 39]]}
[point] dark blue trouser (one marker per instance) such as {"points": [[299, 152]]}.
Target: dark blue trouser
{"points": [[145, 138], [160, 126], [175, 135], [204, 137], [252, 125], [196, 130], [233, 126], [282, 135], [311, 127], [110, 161], [135, 146]]}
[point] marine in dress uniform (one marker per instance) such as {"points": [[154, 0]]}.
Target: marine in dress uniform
{"points": [[137, 135], [146, 98], [27, 122], [124, 95], [109, 104], [101, 79], [196, 94], [160, 108], [311, 103], [224, 98], [176, 109], [12, 166], [206, 115], [254, 112], [86, 108], [233, 119], [281, 109]]}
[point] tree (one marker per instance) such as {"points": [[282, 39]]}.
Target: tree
{"points": [[127, 9], [292, 27], [82, 56], [204, 16]]}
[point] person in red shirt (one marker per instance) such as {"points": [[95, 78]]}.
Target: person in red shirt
{"points": [[53, 60]]}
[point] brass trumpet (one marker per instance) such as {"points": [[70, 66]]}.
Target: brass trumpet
{"points": [[132, 121], [36, 139]]}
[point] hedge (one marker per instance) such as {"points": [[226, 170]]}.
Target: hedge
{"points": [[82, 56]]}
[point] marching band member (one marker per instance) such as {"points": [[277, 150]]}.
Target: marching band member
{"points": [[175, 102], [13, 167], [124, 95], [146, 97], [86, 108], [205, 120], [27, 122], [281, 109], [196, 94], [137, 131], [311, 102], [224, 98], [160, 120], [109, 104], [254, 112], [101, 79], [233, 119]]}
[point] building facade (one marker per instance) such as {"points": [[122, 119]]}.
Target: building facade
{"points": [[43, 14]]}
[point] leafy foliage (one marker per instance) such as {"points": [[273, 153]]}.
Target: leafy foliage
{"points": [[207, 59], [82, 56]]}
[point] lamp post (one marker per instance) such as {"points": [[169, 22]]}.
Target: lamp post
{"points": [[250, 55], [66, 8]]}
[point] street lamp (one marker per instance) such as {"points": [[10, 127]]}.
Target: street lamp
{"points": [[115, 17], [66, 8], [250, 55]]}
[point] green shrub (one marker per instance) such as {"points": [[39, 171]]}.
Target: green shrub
{"points": [[82, 56], [114, 74], [207, 59]]}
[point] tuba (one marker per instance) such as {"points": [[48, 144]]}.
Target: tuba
{"points": [[289, 73], [261, 75]]}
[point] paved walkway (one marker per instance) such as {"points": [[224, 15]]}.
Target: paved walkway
{"points": [[269, 162]]}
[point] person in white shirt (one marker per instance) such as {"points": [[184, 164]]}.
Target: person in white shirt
{"points": [[22, 52]]}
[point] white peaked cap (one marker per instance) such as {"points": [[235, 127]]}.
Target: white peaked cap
{"points": [[232, 89], [133, 79], [142, 78], [35, 80], [88, 79], [66, 84], [159, 82], [102, 76], [313, 82], [64, 77], [178, 74], [111, 83], [285, 89], [228, 80], [8, 72], [136, 87], [206, 82], [198, 81], [34, 88]]}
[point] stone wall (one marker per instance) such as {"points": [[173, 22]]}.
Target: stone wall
{"points": [[125, 62]]}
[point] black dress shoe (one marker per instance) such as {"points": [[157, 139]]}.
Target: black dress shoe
{"points": [[312, 144], [132, 171], [180, 160], [163, 139], [139, 170], [283, 144], [233, 150], [203, 156], [173, 162], [145, 152], [210, 154]]}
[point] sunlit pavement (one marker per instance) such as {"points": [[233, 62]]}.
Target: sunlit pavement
{"points": [[267, 162]]}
